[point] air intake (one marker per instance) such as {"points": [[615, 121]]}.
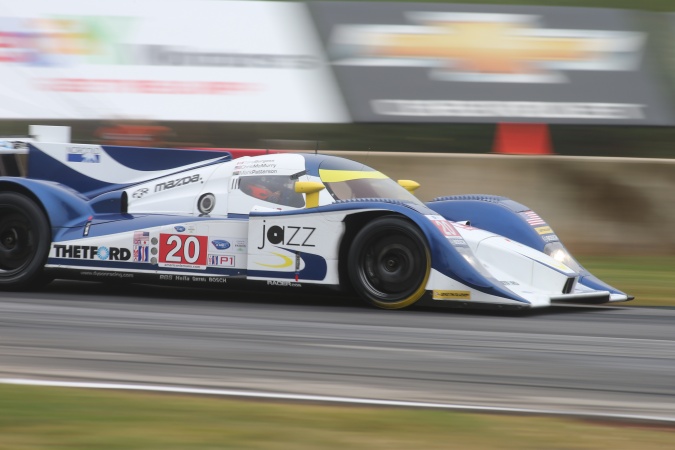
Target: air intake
{"points": [[569, 285]]}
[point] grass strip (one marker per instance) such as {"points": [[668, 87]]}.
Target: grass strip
{"points": [[74, 419], [650, 279]]}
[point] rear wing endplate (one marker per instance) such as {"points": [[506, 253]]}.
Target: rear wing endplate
{"points": [[14, 155]]}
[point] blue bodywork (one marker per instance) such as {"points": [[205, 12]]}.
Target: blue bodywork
{"points": [[503, 216]]}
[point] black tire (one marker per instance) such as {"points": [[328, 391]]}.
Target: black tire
{"points": [[389, 263], [24, 242]]}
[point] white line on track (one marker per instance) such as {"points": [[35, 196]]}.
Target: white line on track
{"points": [[329, 399]]}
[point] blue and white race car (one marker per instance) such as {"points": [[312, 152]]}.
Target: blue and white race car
{"points": [[187, 217]]}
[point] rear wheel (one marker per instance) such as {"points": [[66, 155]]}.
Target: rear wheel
{"points": [[24, 242], [389, 263]]}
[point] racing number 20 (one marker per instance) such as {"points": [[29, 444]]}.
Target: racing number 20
{"points": [[183, 249]]}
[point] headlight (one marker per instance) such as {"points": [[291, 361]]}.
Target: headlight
{"points": [[556, 251]]}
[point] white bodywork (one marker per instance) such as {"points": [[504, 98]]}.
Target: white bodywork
{"points": [[230, 239]]}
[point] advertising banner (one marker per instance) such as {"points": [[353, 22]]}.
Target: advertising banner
{"points": [[417, 62], [196, 60]]}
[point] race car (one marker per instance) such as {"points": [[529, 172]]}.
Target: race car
{"points": [[285, 220]]}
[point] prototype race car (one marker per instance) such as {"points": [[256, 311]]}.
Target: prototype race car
{"points": [[191, 217]]}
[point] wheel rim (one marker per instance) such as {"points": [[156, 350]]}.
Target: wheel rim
{"points": [[16, 242], [390, 267]]}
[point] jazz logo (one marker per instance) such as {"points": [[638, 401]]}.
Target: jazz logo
{"points": [[287, 235]]}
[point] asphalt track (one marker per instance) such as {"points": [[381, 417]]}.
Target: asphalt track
{"points": [[610, 359]]}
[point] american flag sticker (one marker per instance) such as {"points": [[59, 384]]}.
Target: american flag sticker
{"points": [[141, 248], [141, 253], [533, 219], [141, 237]]}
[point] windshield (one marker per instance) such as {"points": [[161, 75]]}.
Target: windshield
{"points": [[350, 184]]}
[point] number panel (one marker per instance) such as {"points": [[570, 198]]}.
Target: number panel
{"points": [[182, 250]]}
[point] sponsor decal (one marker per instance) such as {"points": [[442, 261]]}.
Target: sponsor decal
{"points": [[445, 227], [288, 235], [84, 154], [179, 250], [179, 229], [221, 280], [485, 47], [103, 253], [91, 252], [141, 247], [184, 181], [283, 283], [14, 145], [255, 172], [451, 295], [544, 230], [88, 273], [90, 39], [257, 167], [458, 242], [136, 86], [164, 55], [532, 218], [220, 244], [285, 261], [550, 238], [221, 260], [257, 163], [140, 193], [488, 109], [560, 266], [510, 283]]}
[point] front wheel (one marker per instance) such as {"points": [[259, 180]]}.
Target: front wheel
{"points": [[24, 242], [389, 263]]}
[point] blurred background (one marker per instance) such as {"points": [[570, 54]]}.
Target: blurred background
{"points": [[85, 65], [470, 83]]}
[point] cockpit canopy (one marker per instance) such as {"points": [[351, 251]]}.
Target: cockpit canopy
{"points": [[345, 179], [274, 184]]}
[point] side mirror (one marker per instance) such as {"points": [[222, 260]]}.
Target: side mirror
{"points": [[311, 189], [409, 185]]}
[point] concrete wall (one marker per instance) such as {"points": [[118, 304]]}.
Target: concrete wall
{"points": [[595, 205]]}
